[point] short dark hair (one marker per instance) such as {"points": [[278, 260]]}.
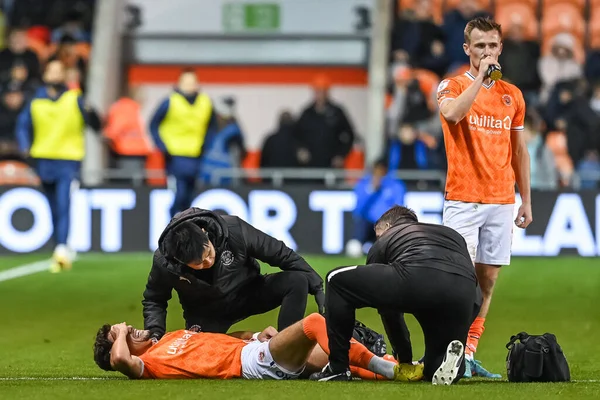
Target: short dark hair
{"points": [[187, 70], [396, 214], [67, 39], [186, 242], [17, 29], [484, 24], [381, 162], [102, 347]]}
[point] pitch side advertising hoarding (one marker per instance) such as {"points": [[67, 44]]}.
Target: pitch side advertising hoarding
{"points": [[309, 220]]}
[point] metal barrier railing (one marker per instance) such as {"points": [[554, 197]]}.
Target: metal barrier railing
{"points": [[276, 177]]}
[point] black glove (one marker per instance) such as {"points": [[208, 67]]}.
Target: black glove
{"points": [[155, 336], [320, 299]]}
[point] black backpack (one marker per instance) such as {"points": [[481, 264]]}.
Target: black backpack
{"points": [[536, 358], [372, 340]]}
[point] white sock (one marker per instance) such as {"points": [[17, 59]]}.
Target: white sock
{"points": [[382, 367], [61, 250]]}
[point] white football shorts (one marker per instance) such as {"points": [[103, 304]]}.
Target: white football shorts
{"points": [[257, 363], [487, 229]]}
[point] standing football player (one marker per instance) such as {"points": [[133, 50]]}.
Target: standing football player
{"points": [[482, 119]]}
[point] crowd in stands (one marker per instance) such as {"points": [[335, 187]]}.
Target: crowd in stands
{"points": [[551, 51], [34, 33]]}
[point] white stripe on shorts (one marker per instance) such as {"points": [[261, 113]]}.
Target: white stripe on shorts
{"points": [[340, 270]]}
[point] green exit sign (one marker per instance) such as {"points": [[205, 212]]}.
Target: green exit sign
{"points": [[251, 17]]}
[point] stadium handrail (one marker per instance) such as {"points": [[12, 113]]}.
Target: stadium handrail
{"points": [[276, 176]]}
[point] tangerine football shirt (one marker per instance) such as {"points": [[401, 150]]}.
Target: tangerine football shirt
{"points": [[478, 148], [186, 354]]}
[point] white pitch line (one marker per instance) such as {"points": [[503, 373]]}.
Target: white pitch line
{"points": [[91, 378], [72, 378], [24, 270]]}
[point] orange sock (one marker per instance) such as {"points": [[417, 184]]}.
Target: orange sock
{"points": [[366, 374], [475, 333], [315, 329]]}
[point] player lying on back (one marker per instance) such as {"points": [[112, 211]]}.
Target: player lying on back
{"points": [[266, 355]]}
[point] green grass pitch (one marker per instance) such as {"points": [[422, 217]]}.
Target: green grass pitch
{"points": [[48, 322]]}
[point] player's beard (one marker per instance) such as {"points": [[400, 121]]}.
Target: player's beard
{"points": [[140, 335]]}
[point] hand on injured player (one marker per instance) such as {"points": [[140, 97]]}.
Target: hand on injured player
{"points": [[267, 334]]}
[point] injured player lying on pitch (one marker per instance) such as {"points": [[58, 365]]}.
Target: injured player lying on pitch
{"points": [[293, 353]]}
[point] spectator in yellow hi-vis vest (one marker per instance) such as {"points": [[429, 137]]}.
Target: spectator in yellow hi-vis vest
{"points": [[180, 128], [50, 130]]}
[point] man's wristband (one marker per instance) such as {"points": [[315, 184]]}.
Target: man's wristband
{"points": [[255, 336]]}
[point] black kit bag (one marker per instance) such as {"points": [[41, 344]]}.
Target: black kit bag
{"points": [[372, 340], [536, 358]]}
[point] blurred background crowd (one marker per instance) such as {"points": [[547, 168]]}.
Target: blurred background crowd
{"points": [[551, 52]]}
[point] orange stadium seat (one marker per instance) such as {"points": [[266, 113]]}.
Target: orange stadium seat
{"points": [[428, 82], [40, 48], [155, 166], [437, 9], [593, 39], [534, 4], [250, 163], [405, 4], [580, 4], [506, 13], [355, 160], [16, 173], [557, 143], [389, 98], [452, 4], [563, 18]]}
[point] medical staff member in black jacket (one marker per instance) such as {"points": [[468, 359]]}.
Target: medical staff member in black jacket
{"points": [[211, 261]]}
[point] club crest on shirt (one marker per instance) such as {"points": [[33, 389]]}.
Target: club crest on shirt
{"points": [[443, 85], [507, 100], [227, 258], [261, 356]]}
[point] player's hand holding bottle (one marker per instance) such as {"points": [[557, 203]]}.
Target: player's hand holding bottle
{"points": [[487, 66]]}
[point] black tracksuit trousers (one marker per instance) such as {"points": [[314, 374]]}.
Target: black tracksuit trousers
{"points": [[443, 303]]}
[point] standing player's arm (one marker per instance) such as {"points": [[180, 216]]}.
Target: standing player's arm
{"points": [[454, 106], [275, 253], [521, 166], [157, 119], [89, 114], [156, 298], [212, 129], [121, 359], [24, 129]]}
